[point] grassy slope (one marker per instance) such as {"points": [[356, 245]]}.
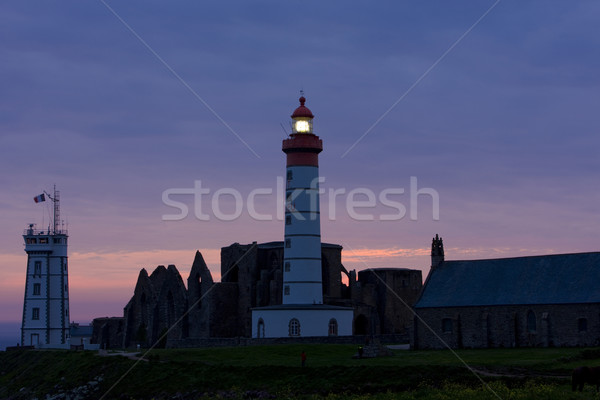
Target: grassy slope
{"points": [[276, 369]]}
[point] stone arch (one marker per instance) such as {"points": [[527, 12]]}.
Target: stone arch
{"points": [[361, 325], [260, 328], [333, 327], [345, 280], [344, 276]]}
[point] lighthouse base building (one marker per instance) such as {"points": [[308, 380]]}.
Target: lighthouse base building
{"points": [[301, 320]]}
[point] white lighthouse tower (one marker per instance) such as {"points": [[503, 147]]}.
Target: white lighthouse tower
{"points": [[302, 312], [46, 305], [302, 245]]}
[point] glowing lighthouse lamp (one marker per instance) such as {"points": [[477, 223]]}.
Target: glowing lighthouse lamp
{"points": [[302, 124]]}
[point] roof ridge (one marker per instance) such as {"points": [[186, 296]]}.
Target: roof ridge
{"points": [[519, 257]]}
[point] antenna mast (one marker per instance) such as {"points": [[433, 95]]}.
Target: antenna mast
{"points": [[56, 219]]}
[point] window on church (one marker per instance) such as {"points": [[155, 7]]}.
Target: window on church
{"points": [[288, 243], [294, 327], [447, 325], [56, 240], [289, 175], [582, 324], [333, 327], [286, 290], [288, 219], [37, 289], [37, 268], [35, 313], [531, 322]]}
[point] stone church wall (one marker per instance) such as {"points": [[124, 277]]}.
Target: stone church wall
{"points": [[552, 325], [108, 332], [386, 298]]}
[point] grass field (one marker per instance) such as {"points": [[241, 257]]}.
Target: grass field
{"points": [[275, 372]]}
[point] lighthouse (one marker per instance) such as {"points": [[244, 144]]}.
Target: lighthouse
{"points": [[302, 242], [45, 320], [302, 312]]}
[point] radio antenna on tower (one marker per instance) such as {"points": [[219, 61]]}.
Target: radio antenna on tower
{"points": [[56, 217], [283, 127]]}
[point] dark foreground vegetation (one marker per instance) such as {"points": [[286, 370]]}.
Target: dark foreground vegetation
{"points": [[275, 372]]}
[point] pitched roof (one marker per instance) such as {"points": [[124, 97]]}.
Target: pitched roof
{"points": [[81, 330], [550, 279]]}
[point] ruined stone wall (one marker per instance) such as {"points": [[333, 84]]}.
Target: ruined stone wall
{"points": [[550, 325], [200, 283], [269, 263], [137, 313], [331, 263], [171, 305], [390, 293], [108, 332], [158, 302], [252, 276], [223, 317], [239, 266]]}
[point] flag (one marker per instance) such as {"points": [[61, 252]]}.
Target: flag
{"points": [[40, 198]]}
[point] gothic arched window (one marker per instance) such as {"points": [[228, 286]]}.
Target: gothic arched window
{"points": [[260, 331]]}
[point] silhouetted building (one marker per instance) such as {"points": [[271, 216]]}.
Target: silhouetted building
{"points": [[551, 300], [252, 276]]}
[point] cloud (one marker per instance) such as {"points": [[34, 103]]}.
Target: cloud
{"points": [[386, 253]]}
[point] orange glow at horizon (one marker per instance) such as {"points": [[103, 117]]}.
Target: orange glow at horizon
{"points": [[101, 283]]}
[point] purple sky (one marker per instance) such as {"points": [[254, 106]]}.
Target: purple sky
{"points": [[504, 128]]}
